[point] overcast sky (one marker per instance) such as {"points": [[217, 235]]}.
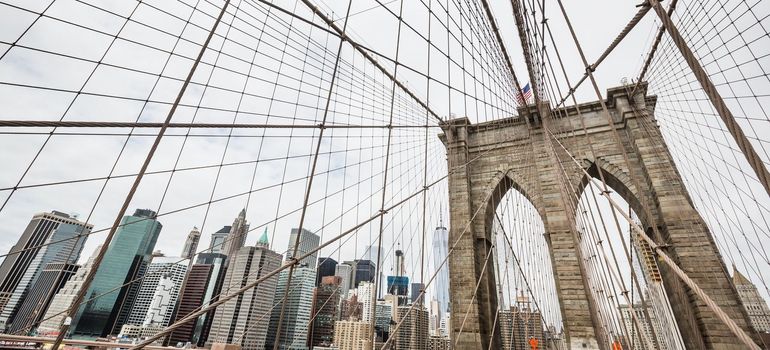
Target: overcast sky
{"points": [[37, 84]]}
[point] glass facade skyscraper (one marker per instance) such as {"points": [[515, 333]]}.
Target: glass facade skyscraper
{"points": [[440, 252], [52, 237], [126, 259]]}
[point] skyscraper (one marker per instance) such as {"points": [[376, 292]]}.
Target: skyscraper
{"points": [[244, 320], [218, 240], [201, 287], [36, 249], [416, 290], [54, 315], [364, 292], [345, 272], [326, 267], [413, 333], [371, 254], [441, 284], [51, 280], [126, 260], [352, 335], [364, 271], [298, 305], [307, 242], [755, 305], [191, 244], [398, 284], [297, 312], [326, 300], [350, 308], [236, 238], [159, 291]]}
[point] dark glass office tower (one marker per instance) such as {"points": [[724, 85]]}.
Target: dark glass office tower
{"points": [[326, 267], [365, 271], [53, 237], [126, 259], [31, 311]]}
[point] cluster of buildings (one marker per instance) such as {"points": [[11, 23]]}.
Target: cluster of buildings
{"points": [[136, 291], [319, 303]]}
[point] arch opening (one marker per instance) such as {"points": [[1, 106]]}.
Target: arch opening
{"points": [[622, 274], [528, 304]]}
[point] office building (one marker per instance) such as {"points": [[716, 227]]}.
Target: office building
{"points": [[191, 244], [345, 272], [200, 288], [124, 263], [53, 237], [437, 342], [383, 318], [364, 271], [54, 314], [434, 323], [755, 305], [218, 240], [416, 290], [307, 242], [413, 332], [326, 301], [371, 254], [326, 267], [399, 287], [352, 335], [519, 324], [351, 308], [52, 279], [398, 284], [365, 293], [297, 310], [159, 292], [236, 238], [244, 320], [441, 283]]}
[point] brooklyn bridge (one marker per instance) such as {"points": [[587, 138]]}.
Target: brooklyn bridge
{"points": [[384, 174]]}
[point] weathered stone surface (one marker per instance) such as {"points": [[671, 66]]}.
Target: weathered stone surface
{"points": [[513, 154]]}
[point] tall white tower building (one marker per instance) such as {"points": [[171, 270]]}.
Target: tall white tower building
{"points": [[440, 252]]}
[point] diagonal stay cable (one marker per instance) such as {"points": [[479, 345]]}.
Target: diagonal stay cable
{"points": [[130, 195]]}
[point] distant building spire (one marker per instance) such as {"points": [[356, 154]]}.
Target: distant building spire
{"points": [[263, 241]]}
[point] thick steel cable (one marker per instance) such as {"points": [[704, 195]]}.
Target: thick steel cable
{"points": [[618, 39], [716, 99], [601, 173], [378, 267], [654, 47], [737, 330], [278, 335], [366, 54], [99, 124], [295, 261], [132, 191]]}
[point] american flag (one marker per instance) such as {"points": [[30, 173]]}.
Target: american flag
{"points": [[527, 92]]}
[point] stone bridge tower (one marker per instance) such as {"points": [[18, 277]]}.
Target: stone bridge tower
{"points": [[511, 154]]}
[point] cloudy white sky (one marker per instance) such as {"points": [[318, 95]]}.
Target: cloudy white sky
{"points": [[83, 60]]}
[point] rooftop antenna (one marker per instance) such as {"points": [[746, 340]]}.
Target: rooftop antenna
{"points": [[441, 215]]}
